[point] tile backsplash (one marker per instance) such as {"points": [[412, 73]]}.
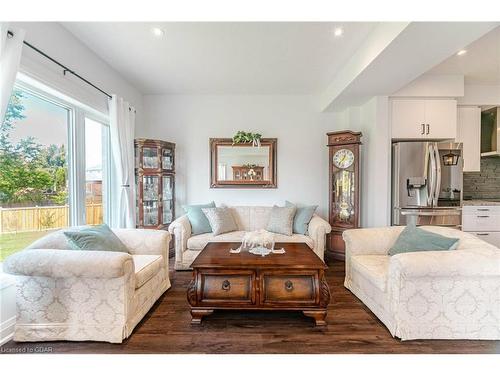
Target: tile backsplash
{"points": [[484, 184]]}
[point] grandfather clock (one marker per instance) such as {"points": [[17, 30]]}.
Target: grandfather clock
{"points": [[344, 186]]}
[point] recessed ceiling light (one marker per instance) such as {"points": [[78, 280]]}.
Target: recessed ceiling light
{"points": [[461, 52], [157, 31], [338, 31]]}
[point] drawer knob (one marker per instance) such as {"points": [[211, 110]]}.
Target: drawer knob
{"points": [[288, 285], [226, 285]]}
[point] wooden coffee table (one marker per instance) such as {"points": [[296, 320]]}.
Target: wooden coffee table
{"points": [[291, 281]]}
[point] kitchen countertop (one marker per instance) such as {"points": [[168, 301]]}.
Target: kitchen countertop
{"points": [[481, 202]]}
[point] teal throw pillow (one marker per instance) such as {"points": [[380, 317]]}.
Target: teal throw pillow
{"points": [[198, 220], [97, 237], [415, 239], [303, 216]]}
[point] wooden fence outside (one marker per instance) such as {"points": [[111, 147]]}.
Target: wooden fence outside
{"points": [[32, 219]]}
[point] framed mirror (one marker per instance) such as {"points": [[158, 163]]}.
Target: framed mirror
{"points": [[242, 165]]}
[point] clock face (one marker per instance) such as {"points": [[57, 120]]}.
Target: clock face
{"points": [[343, 158]]}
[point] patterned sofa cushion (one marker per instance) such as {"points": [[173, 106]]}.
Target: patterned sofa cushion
{"points": [[199, 242], [375, 268], [250, 218], [146, 266]]}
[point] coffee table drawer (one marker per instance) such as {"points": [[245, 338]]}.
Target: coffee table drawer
{"points": [[289, 288], [231, 287]]}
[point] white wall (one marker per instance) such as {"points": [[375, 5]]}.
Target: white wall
{"points": [[190, 121], [7, 306], [432, 85], [376, 168], [59, 43], [372, 119], [481, 95]]}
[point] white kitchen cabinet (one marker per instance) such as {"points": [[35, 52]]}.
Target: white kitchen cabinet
{"points": [[408, 118], [424, 118], [490, 237], [482, 221], [469, 133]]}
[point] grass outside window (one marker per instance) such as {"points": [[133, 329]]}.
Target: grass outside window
{"points": [[11, 243]]}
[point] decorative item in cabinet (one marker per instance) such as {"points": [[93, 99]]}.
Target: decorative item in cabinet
{"points": [[344, 187], [155, 183], [248, 172]]}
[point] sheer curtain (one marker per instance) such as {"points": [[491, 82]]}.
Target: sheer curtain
{"points": [[10, 56], [122, 196]]}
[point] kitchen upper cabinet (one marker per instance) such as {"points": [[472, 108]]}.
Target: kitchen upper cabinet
{"points": [[408, 118], [424, 119], [469, 133]]}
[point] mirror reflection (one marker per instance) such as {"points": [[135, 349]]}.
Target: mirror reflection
{"points": [[243, 164]]}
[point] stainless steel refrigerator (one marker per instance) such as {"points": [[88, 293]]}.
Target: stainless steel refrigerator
{"points": [[427, 180]]}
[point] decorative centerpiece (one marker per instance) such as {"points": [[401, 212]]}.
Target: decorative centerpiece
{"points": [[260, 242]]}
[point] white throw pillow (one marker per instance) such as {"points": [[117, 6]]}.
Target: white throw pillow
{"points": [[281, 220], [221, 220]]}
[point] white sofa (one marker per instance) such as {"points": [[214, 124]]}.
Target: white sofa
{"points": [[248, 218], [88, 295], [426, 295]]}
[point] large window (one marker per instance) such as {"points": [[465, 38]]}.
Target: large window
{"points": [[96, 170], [54, 158]]}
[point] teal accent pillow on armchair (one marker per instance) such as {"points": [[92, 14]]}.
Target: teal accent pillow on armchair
{"points": [[97, 237], [415, 239], [197, 219]]}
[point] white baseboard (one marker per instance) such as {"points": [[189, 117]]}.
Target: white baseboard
{"points": [[7, 330]]}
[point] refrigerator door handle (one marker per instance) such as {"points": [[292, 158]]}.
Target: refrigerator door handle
{"points": [[438, 176], [432, 178], [426, 174]]}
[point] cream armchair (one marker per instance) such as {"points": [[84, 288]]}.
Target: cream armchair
{"points": [[88, 295], [426, 295], [248, 218]]}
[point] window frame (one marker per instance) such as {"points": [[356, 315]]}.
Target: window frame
{"points": [[106, 166], [75, 154]]}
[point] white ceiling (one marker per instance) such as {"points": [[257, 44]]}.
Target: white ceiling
{"points": [[224, 58], [480, 65]]}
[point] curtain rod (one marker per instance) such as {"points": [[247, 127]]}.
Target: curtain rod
{"points": [[10, 34]]}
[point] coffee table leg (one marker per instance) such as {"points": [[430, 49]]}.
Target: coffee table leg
{"points": [[198, 314], [319, 316]]}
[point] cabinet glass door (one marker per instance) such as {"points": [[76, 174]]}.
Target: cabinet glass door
{"points": [[343, 190], [167, 199], [150, 200], [150, 158], [167, 159]]}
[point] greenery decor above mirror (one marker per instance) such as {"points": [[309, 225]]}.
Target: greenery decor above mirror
{"points": [[245, 137], [246, 164]]}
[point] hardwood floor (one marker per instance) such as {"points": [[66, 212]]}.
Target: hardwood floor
{"points": [[352, 328]]}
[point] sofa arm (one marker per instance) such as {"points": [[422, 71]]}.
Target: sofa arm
{"points": [[144, 241], [318, 229], [370, 241], [69, 263], [482, 262], [181, 229]]}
